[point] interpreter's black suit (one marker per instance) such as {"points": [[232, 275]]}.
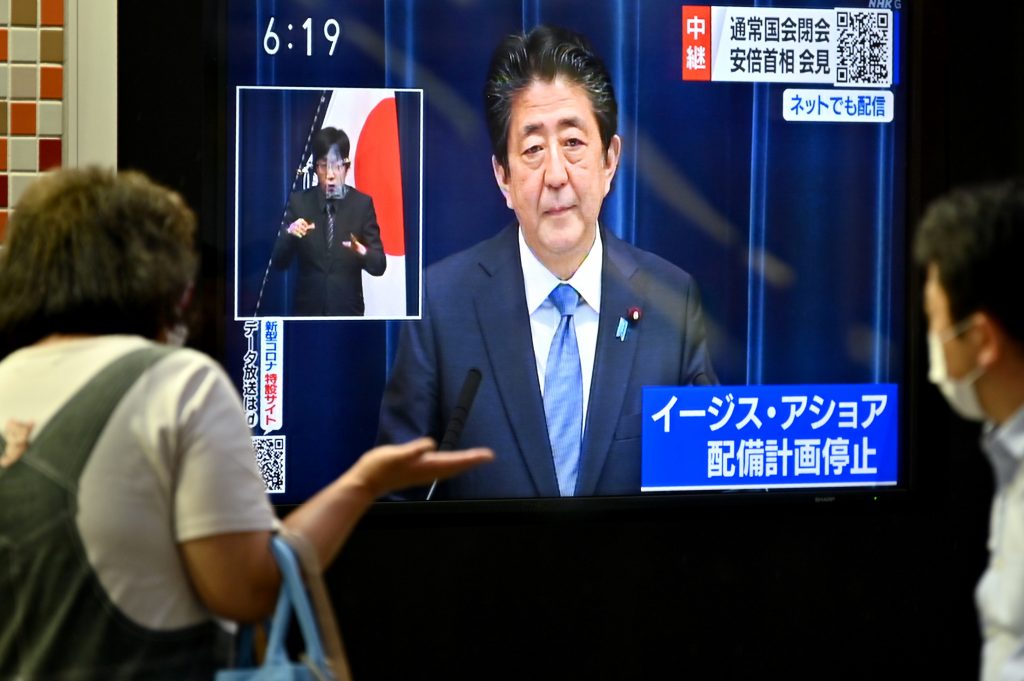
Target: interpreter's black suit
{"points": [[330, 281]]}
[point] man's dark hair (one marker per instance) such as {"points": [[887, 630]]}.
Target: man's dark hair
{"points": [[325, 138], [544, 54], [89, 251], [975, 237]]}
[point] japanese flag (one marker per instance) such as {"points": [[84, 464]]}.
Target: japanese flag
{"points": [[369, 118]]}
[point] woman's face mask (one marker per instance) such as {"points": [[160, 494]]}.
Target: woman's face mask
{"points": [[176, 335]]}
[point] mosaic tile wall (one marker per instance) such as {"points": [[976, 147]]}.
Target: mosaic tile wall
{"points": [[31, 94]]}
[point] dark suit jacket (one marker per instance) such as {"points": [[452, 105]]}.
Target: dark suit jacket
{"points": [[475, 316], [330, 282]]}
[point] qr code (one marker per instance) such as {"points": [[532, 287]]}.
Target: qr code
{"points": [[864, 47], [270, 456]]}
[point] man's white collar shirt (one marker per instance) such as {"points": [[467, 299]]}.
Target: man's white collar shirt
{"points": [[544, 316], [1000, 593]]}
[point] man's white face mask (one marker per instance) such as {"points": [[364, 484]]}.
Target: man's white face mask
{"points": [[961, 393]]}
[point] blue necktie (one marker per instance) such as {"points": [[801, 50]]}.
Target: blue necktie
{"points": [[563, 392]]}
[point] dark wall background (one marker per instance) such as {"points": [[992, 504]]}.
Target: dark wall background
{"points": [[808, 588]]}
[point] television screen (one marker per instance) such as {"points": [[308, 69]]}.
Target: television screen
{"points": [[758, 189]]}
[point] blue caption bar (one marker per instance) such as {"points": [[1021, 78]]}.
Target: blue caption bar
{"points": [[769, 437]]}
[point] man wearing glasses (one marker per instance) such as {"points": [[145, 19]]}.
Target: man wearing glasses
{"points": [[332, 229]]}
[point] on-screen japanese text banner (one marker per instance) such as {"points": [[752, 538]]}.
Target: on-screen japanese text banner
{"points": [[262, 393], [769, 437], [842, 46]]}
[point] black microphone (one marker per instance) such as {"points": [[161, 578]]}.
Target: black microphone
{"points": [[453, 432]]}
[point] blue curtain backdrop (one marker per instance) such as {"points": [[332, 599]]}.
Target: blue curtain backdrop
{"points": [[794, 232]]}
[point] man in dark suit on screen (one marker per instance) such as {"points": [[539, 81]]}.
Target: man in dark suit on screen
{"points": [[332, 229], [565, 321]]}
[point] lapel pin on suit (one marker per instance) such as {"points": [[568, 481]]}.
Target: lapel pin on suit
{"points": [[632, 317]]}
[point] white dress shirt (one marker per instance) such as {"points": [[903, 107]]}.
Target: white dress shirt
{"points": [[1000, 593], [544, 316]]}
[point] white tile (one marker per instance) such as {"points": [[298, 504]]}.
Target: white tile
{"points": [[5, 12], [24, 44], [24, 82], [24, 153], [18, 183], [51, 120], [3, 81]]}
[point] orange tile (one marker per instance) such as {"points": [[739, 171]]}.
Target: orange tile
{"points": [[51, 82], [52, 13], [3, 44], [23, 118], [3, 153], [3, 225]]}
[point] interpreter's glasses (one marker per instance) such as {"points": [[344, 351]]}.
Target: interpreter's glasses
{"points": [[333, 166]]}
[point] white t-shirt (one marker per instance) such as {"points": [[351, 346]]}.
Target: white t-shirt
{"points": [[173, 463]]}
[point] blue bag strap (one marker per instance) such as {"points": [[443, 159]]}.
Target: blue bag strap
{"points": [[293, 595]]}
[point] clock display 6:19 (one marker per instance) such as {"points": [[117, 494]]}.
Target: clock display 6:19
{"points": [[331, 30]]}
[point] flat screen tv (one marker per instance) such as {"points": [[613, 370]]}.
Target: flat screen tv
{"points": [[763, 151]]}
